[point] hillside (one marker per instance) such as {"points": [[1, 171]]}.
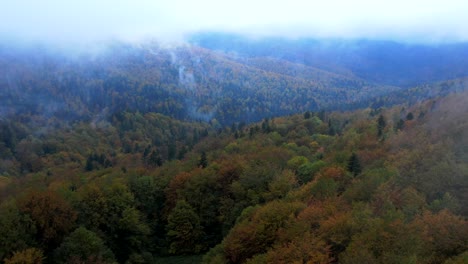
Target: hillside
{"points": [[184, 82], [160, 154], [377, 61], [374, 185]]}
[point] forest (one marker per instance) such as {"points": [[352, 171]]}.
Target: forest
{"points": [[183, 82], [383, 184], [233, 132]]}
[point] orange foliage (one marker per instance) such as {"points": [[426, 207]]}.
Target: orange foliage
{"points": [[53, 216]]}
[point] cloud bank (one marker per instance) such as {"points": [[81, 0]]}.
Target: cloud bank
{"points": [[91, 21]]}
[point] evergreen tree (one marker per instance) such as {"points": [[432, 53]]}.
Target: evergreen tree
{"points": [[409, 116], [89, 164], [171, 151], [233, 128], [203, 162], [266, 126], [400, 125], [321, 115], [155, 159], [354, 165], [380, 125], [331, 128]]}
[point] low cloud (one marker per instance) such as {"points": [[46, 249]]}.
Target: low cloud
{"points": [[90, 21]]}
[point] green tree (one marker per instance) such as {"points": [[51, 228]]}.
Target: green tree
{"points": [[111, 213], [155, 159], [171, 150], [409, 116], [354, 165], [184, 230], [400, 125], [83, 245], [203, 162], [307, 171], [17, 230], [381, 123]]}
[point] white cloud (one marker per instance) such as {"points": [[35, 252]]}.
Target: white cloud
{"points": [[99, 20]]}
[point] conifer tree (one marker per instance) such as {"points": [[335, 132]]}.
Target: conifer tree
{"points": [[354, 165], [203, 163], [380, 125]]}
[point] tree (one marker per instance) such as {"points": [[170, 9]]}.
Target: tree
{"points": [[17, 230], [51, 214], [303, 249], [27, 256], [184, 230], [171, 150], [111, 213], [331, 128], [400, 125], [203, 162], [257, 229], [444, 233], [354, 165], [409, 116], [83, 245], [380, 125], [155, 159]]}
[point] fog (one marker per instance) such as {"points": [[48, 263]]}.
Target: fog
{"points": [[95, 22]]}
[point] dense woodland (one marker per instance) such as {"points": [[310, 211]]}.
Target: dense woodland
{"points": [[379, 61], [377, 185], [183, 82]]}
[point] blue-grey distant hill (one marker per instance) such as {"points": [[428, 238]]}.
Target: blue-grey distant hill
{"points": [[384, 62]]}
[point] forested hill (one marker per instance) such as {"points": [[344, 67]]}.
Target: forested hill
{"points": [[188, 82], [382, 185], [184, 82], [379, 61]]}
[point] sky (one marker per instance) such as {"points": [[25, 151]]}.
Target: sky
{"points": [[88, 21]]}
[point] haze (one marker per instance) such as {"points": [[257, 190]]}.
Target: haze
{"points": [[91, 21]]}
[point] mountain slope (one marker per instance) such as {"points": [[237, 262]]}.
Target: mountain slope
{"points": [[381, 62], [385, 185], [184, 82]]}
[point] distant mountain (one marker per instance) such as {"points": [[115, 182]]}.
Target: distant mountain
{"points": [[418, 93], [227, 80], [383, 62], [184, 82]]}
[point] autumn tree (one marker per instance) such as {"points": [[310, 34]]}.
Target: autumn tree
{"points": [[27, 256], [257, 232], [51, 214], [444, 233]]}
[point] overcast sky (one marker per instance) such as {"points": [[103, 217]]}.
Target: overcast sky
{"points": [[70, 21]]}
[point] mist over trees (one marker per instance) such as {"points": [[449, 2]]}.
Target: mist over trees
{"points": [[152, 154]]}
